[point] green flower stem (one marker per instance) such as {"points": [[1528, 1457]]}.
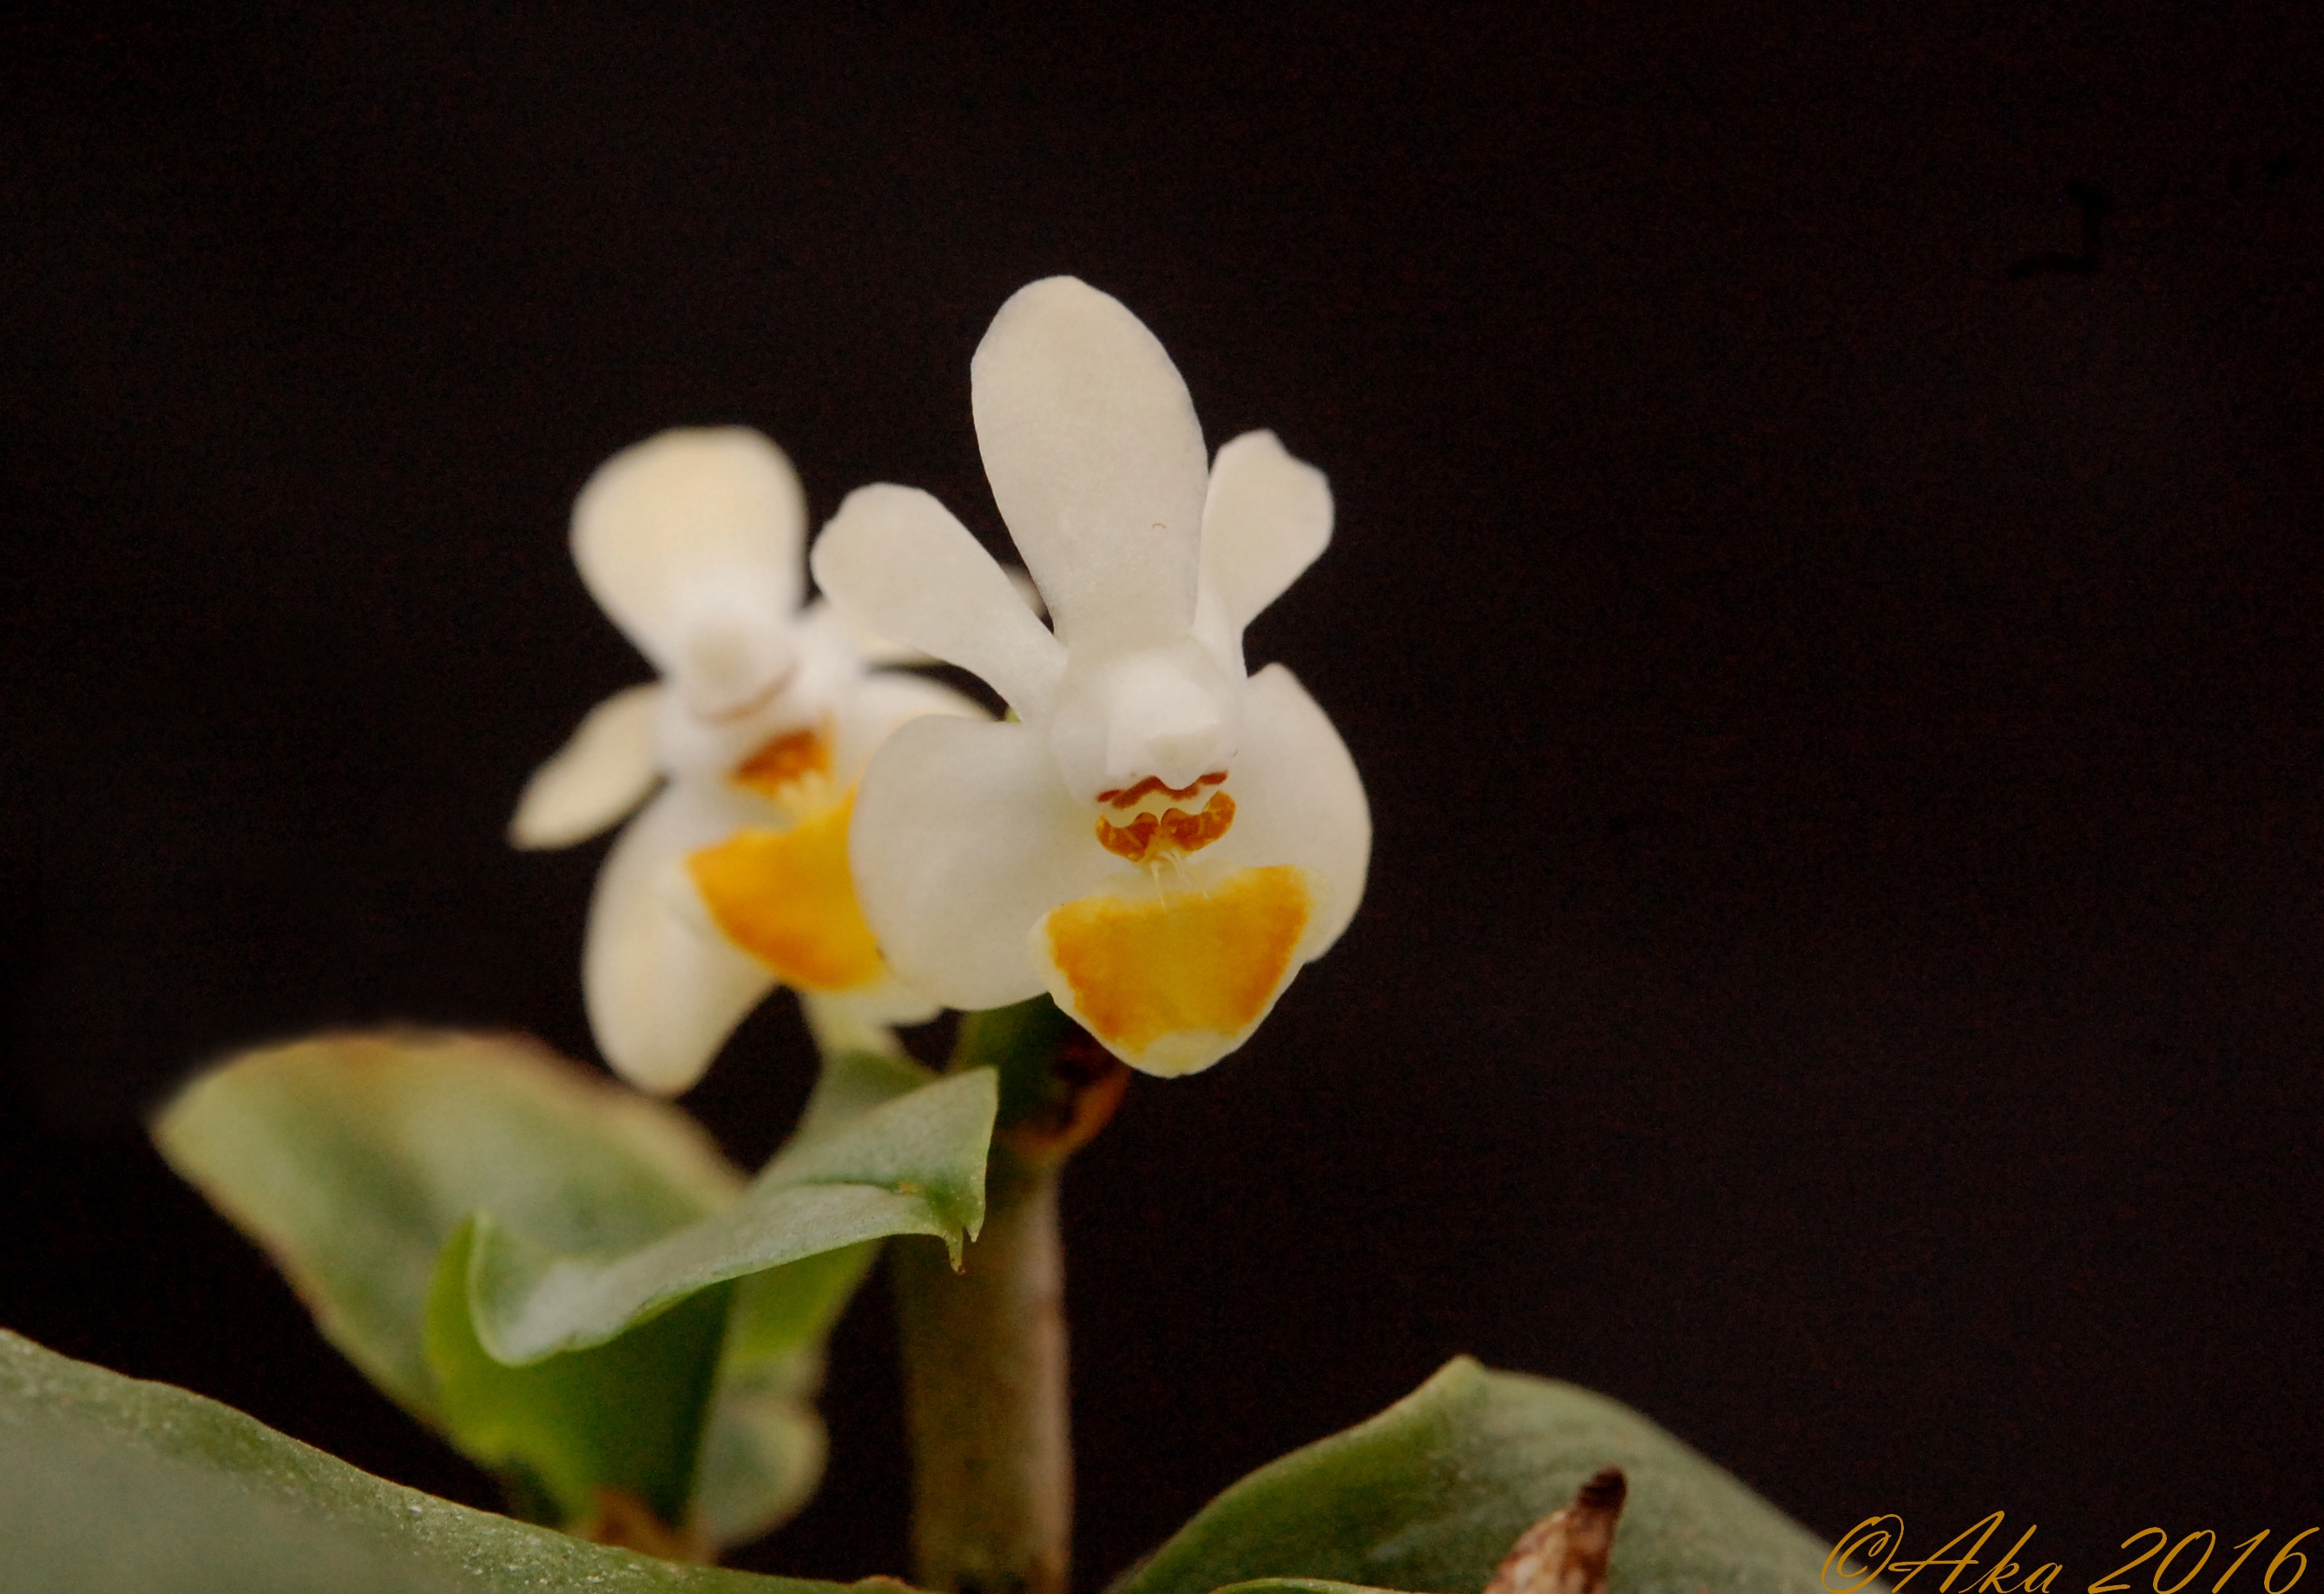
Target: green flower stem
{"points": [[984, 1349], [984, 1369]]}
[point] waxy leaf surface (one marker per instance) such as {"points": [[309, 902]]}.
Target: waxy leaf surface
{"points": [[628, 1415], [357, 1160], [1432, 1493], [913, 1165], [352, 1159], [110, 1484]]}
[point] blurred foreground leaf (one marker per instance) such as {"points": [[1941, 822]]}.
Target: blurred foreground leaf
{"points": [[613, 1405], [352, 1158], [110, 1484], [361, 1163], [1433, 1492]]}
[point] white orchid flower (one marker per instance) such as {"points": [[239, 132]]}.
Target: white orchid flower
{"points": [[1160, 841], [734, 878]]}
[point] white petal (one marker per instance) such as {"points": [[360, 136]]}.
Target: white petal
{"points": [[1268, 517], [691, 541], [821, 616], [902, 566], [881, 706], [1027, 593], [1297, 801], [664, 989], [1096, 461], [963, 837], [602, 772], [825, 621]]}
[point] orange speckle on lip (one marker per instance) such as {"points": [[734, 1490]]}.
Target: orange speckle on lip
{"points": [[1190, 833], [1128, 796], [1132, 841], [1171, 830], [786, 898], [1202, 966], [777, 769]]}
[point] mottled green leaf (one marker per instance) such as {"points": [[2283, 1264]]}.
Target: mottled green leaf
{"points": [[912, 1165], [1432, 1493], [763, 1454], [352, 1159], [628, 1415], [110, 1484], [764, 1451]]}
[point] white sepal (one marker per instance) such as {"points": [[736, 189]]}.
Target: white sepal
{"points": [[691, 540], [603, 771], [1096, 460]]}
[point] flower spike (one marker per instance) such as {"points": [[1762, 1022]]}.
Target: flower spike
{"points": [[1164, 840]]}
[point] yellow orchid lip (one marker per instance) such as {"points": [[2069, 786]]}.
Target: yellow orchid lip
{"points": [[1172, 982], [786, 897]]}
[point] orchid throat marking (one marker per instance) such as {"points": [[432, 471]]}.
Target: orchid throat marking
{"points": [[1154, 838]]}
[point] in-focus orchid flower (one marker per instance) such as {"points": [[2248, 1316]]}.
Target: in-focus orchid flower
{"points": [[735, 877], [1160, 841]]}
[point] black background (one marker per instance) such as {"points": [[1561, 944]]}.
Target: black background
{"points": [[1841, 966]]}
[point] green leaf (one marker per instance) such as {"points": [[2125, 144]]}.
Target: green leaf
{"points": [[355, 1160], [109, 1484], [764, 1452], [912, 1165], [1433, 1492], [628, 1415], [621, 1400], [352, 1159]]}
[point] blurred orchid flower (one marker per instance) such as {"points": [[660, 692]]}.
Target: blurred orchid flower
{"points": [[1160, 841], [734, 878]]}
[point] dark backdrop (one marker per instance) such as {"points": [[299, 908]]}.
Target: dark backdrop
{"points": [[1826, 612]]}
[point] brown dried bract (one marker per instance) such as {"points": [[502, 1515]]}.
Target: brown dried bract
{"points": [[1090, 1080], [1566, 1553]]}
